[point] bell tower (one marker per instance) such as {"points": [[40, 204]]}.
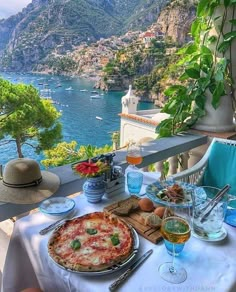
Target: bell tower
{"points": [[129, 102]]}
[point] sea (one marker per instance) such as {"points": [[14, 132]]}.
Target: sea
{"points": [[88, 115]]}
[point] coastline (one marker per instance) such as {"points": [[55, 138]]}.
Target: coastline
{"points": [[95, 79]]}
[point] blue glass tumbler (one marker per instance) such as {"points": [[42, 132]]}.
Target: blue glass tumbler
{"points": [[134, 182]]}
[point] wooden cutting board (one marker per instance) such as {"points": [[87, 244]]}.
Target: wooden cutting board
{"points": [[136, 220]]}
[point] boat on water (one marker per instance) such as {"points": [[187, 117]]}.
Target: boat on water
{"points": [[45, 90], [99, 118], [83, 90], [69, 88], [95, 96], [45, 93], [58, 85], [94, 91]]}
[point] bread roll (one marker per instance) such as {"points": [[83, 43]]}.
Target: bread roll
{"points": [[153, 220], [146, 204], [159, 211]]}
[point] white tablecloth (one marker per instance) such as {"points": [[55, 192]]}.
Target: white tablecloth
{"points": [[210, 266]]}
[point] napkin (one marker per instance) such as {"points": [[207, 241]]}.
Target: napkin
{"points": [[148, 178]]}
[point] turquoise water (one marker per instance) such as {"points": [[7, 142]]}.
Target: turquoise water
{"points": [[78, 111]]}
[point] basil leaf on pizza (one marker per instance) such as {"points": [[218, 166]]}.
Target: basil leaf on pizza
{"points": [[115, 239], [101, 240], [75, 244], [91, 231]]}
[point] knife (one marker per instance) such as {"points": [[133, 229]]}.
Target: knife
{"points": [[57, 223], [52, 226], [127, 273]]}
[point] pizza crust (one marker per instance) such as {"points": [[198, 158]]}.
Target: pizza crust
{"points": [[97, 251]]}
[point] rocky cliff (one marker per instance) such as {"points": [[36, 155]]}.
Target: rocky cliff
{"points": [[56, 27], [175, 20], [150, 76]]}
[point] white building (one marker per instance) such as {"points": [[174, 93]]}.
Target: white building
{"points": [[137, 125]]}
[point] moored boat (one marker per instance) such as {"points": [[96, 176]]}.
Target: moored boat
{"points": [[69, 88], [95, 96]]}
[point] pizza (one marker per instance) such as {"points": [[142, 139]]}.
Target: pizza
{"points": [[93, 242]]}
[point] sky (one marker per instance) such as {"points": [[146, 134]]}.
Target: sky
{"points": [[11, 7]]}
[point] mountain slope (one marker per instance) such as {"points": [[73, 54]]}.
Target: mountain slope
{"points": [[57, 26]]}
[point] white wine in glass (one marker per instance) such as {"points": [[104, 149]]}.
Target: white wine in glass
{"points": [[176, 229]]}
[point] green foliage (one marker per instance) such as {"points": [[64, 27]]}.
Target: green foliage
{"points": [[67, 153], [207, 71], [131, 60], [27, 119], [61, 65], [127, 62], [109, 69]]}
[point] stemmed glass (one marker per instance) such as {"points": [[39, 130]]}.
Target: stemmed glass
{"points": [[134, 154], [175, 228]]}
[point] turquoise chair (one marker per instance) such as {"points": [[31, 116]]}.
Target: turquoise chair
{"points": [[216, 168]]}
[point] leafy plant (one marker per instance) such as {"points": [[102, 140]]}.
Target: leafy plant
{"points": [[206, 70], [69, 152]]}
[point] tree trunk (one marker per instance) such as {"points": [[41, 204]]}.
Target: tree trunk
{"points": [[18, 146]]}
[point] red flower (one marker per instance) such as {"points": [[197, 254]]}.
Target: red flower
{"points": [[89, 169]]}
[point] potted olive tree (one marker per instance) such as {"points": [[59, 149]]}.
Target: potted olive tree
{"points": [[204, 96]]}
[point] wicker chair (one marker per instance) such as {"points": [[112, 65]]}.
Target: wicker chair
{"points": [[216, 168]]}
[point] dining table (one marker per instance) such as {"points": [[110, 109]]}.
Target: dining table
{"points": [[210, 266]]}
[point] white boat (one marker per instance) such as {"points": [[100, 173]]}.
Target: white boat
{"points": [[99, 118], [45, 90], [83, 90], [95, 96], [69, 88], [45, 93]]}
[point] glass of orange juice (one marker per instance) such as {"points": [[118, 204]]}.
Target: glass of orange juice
{"points": [[134, 154]]}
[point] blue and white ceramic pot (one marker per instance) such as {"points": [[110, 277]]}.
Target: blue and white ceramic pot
{"points": [[94, 189]]}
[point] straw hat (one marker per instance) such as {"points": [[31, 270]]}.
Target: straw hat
{"points": [[24, 183]]}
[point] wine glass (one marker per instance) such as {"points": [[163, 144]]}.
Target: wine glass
{"points": [[175, 228], [134, 154]]}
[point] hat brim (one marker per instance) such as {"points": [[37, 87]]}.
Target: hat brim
{"points": [[30, 195]]}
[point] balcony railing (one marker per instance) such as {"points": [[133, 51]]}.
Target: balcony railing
{"points": [[155, 151]]}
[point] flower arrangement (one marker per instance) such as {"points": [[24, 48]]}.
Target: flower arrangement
{"points": [[90, 169]]}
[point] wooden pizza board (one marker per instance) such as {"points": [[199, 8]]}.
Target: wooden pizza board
{"points": [[135, 219]]}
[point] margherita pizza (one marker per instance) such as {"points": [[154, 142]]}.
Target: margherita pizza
{"points": [[93, 242]]}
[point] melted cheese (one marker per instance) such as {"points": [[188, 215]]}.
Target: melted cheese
{"points": [[96, 248]]}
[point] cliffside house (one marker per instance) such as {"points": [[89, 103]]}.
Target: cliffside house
{"points": [[147, 37]]}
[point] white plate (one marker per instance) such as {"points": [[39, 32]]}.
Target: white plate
{"points": [[57, 207], [221, 236]]}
